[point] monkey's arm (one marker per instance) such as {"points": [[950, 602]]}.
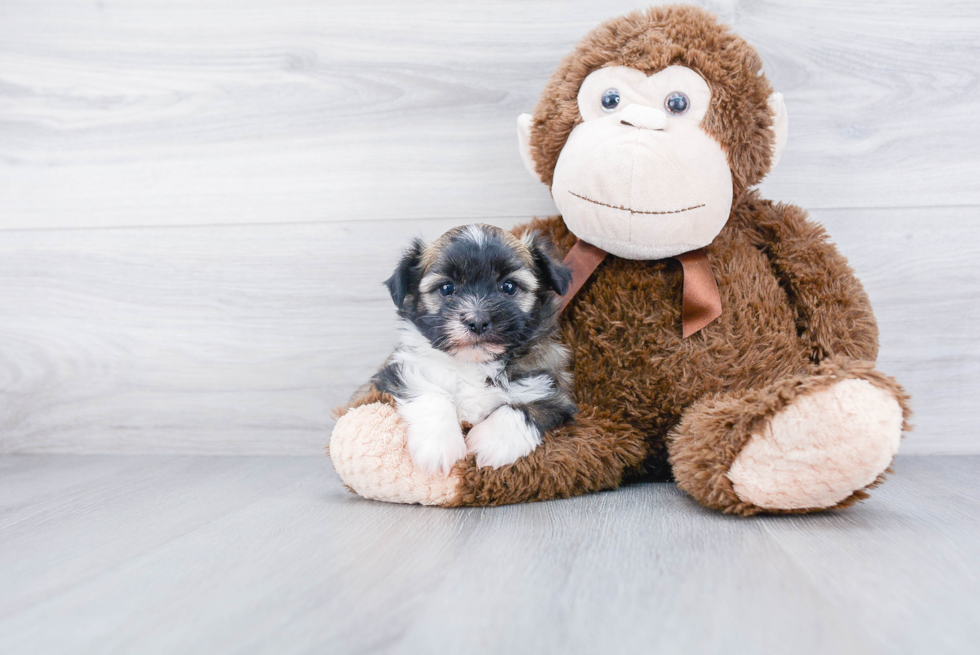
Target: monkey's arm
{"points": [[592, 453], [833, 314], [372, 391], [369, 448]]}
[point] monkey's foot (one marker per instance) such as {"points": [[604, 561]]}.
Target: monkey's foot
{"points": [[820, 449], [369, 449]]}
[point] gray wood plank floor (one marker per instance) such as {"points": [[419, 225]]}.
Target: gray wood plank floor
{"points": [[166, 554]]}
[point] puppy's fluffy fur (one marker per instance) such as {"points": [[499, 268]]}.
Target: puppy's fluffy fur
{"points": [[477, 345]]}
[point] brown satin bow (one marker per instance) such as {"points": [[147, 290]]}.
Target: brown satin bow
{"points": [[702, 303]]}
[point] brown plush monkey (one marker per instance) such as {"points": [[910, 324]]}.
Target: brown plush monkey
{"points": [[651, 135]]}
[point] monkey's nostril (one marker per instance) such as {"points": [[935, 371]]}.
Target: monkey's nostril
{"points": [[656, 128]]}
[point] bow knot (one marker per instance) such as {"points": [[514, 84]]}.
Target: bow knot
{"points": [[701, 304]]}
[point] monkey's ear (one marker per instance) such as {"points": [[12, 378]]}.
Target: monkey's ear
{"points": [[552, 272], [524, 143], [405, 280], [780, 126]]}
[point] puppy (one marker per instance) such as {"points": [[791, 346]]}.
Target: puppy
{"points": [[477, 344]]}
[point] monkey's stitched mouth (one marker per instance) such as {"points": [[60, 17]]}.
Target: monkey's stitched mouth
{"points": [[634, 211]]}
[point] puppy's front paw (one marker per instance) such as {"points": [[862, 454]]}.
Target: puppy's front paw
{"points": [[435, 438], [503, 438], [435, 449]]}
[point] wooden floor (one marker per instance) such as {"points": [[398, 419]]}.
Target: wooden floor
{"points": [[195, 554]]}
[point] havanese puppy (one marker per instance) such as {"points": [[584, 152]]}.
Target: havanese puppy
{"points": [[478, 345]]}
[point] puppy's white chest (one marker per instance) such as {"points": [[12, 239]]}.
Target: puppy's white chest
{"points": [[467, 385], [475, 399]]}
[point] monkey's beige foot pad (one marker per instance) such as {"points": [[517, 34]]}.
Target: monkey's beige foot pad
{"points": [[369, 450], [820, 449]]}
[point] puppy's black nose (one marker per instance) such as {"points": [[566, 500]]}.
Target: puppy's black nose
{"points": [[478, 324]]}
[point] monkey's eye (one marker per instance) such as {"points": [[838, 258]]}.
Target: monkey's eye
{"points": [[610, 100], [677, 103], [447, 289], [508, 287]]}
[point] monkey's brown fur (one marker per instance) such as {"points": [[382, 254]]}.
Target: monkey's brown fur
{"points": [[795, 319], [654, 404]]}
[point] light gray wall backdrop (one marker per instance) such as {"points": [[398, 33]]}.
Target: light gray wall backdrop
{"points": [[199, 200]]}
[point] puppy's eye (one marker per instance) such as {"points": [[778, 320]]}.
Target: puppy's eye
{"points": [[610, 100], [677, 103], [447, 289], [508, 287]]}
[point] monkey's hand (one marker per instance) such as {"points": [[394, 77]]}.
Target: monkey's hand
{"points": [[369, 449]]}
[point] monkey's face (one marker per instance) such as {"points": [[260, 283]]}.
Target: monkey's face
{"points": [[639, 177], [651, 127]]}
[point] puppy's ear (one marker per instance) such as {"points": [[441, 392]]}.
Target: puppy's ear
{"points": [[405, 280], [550, 271]]}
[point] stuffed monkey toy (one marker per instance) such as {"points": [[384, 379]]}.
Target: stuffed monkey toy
{"points": [[718, 339]]}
